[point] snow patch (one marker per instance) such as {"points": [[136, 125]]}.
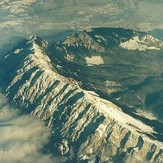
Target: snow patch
{"points": [[69, 57], [17, 51], [100, 38], [94, 60], [109, 83], [136, 44]]}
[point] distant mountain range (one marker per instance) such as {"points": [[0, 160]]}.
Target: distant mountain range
{"points": [[99, 91]]}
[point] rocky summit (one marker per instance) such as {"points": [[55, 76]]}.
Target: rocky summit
{"points": [[99, 91]]}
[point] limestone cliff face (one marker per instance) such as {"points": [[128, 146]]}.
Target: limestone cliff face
{"points": [[83, 125]]}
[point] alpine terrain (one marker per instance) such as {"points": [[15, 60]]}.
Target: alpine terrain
{"points": [[99, 91]]}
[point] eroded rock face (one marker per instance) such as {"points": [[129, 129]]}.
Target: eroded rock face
{"points": [[84, 126]]}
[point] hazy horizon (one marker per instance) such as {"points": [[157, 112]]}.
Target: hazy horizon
{"points": [[19, 19]]}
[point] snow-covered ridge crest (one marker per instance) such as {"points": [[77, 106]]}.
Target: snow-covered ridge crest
{"points": [[37, 40], [28, 46], [142, 44], [31, 44], [83, 40]]}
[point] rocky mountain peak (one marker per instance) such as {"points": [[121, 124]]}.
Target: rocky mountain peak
{"points": [[102, 39], [37, 40], [32, 45]]}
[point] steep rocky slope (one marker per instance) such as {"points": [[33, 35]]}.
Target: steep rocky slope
{"points": [[84, 126]]}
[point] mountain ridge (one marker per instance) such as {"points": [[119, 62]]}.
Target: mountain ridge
{"points": [[113, 61], [81, 122]]}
